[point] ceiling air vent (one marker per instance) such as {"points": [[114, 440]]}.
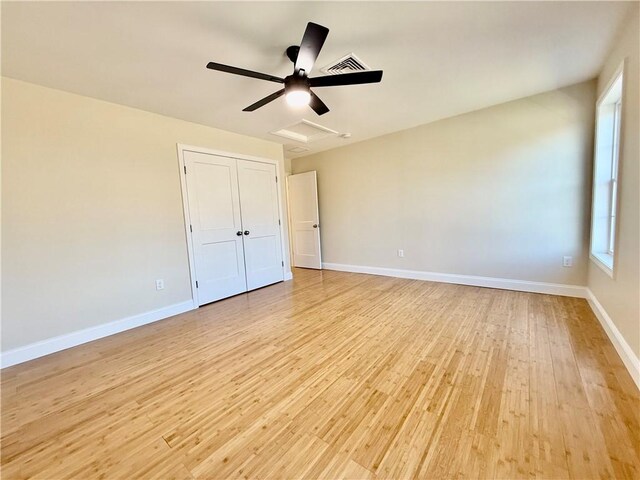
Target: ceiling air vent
{"points": [[347, 64]]}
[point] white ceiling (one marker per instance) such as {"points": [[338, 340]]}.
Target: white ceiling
{"points": [[439, 58]]}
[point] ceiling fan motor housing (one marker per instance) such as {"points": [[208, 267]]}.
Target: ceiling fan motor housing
{"points": [[296, 82]]}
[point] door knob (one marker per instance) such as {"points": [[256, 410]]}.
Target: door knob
{"points": [[315, 225], [239, 233], [246, 232]]}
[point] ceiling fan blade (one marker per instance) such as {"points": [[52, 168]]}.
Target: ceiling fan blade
{"points": [[355, 78], [312, 41], [318, 105], [264, 101], [245, 73]]}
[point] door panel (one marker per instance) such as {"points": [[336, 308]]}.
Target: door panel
{"points": [[261, 218], [306, 243], [305, 221], [214, 208], [219, 260]]}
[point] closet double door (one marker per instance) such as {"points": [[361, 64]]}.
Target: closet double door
{"points": [[234, 224]]}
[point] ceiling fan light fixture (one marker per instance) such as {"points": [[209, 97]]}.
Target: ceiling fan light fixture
{"points": [[296, 91], [298, 98]]}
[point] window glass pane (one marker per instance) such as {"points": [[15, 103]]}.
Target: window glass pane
{"points": [[612, 216], [616, 141]]}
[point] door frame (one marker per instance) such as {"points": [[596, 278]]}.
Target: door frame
{"points": [[181, 148]]}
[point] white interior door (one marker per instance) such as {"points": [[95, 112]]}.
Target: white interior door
{"points": [[305, 221], [261, 223], [214, 211]]}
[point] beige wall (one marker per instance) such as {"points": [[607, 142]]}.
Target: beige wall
{"points": [[501, 192], [620, 296], [92, 210]]}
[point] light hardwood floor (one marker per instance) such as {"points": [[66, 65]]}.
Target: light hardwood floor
{"points": [[334, 375]]}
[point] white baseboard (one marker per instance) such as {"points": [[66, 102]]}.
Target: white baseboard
{"points": [[622, 347], [476, 281], [62, 342], [288, 276]]}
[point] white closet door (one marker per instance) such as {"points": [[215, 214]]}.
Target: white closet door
{"points": [[305, 221], [261, 222], [214, 209]]}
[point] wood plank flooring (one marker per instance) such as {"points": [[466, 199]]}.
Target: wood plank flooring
{"points": [[334, 375]]}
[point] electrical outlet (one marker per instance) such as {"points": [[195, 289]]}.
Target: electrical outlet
{"points": [[401, 253], [160, 284], [567, 261]]}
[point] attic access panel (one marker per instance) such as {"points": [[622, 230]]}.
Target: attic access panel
{"points": [[305, 132]]}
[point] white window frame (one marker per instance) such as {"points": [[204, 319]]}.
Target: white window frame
{"points": [[606, 168]]}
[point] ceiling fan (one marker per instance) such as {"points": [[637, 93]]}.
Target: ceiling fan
{"points": [[297, 86]]}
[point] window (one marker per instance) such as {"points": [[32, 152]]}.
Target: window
{"points": [[605, 175]]}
